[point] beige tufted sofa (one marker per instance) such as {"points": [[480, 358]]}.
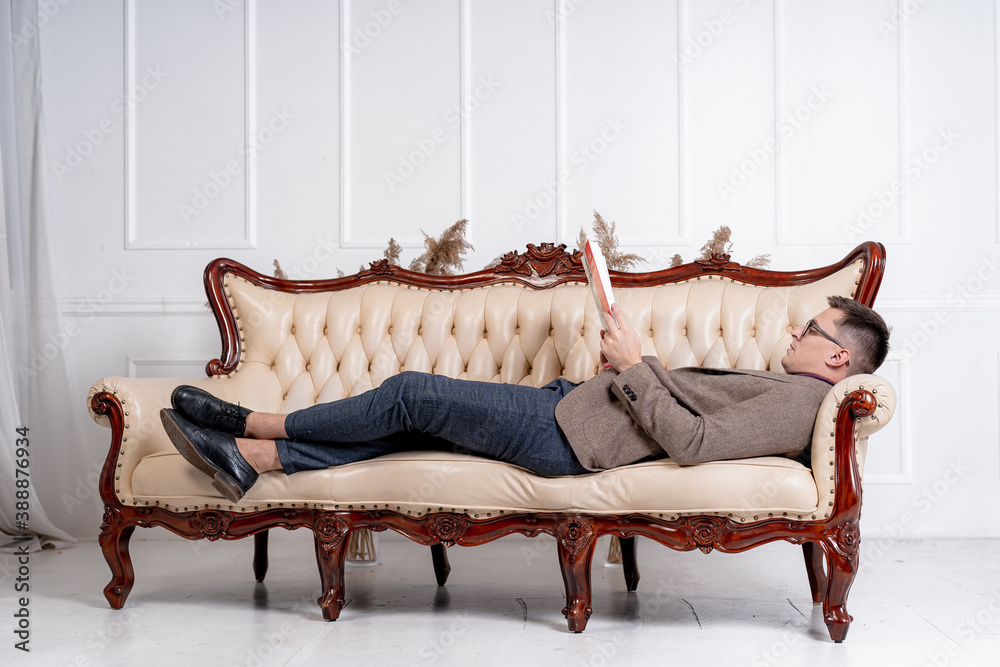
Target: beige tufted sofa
{"points": [[288, 345]]}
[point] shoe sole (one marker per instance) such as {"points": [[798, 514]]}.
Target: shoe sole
{"points": [[222, 482]]}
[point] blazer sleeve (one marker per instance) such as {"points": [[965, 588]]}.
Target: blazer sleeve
{"points": [[774, 421]]}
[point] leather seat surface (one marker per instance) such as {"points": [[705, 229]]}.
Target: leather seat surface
{"points": [[418, 482]]}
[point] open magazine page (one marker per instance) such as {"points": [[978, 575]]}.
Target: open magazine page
{"points": [[600, 282]]}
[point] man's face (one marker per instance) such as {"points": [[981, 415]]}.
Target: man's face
{"points": [[810, 350]]}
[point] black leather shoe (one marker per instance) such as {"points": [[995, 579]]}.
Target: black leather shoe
{"points": [[212, 452], [205, 410]]}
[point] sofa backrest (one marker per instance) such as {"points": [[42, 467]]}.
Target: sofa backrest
{"points": [[527, 321]]}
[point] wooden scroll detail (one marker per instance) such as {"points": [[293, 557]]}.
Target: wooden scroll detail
{"points": [[211, 525], [846, 541], [330, 532], [706, 532], [718, 262], [544, 261], [447, 528], [574, 536], [380, 267]]}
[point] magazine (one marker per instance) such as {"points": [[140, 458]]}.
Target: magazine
{"points": [[600, 283]]}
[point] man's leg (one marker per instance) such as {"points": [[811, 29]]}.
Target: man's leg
{"points": [[510, 423]]}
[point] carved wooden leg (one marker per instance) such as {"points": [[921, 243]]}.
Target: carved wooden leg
{"points": [[629, 564], [838, 621], [841, 546], [815, 558], [114, 537], [331, 551], [260, 555], [576, 541], [442, 568]]}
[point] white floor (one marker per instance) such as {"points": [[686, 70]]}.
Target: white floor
{"points": [[196, 603]]}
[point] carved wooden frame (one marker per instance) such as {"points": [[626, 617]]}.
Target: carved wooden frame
{"points": [[830, 546]]}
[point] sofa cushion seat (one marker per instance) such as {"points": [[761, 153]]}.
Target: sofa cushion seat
{"points": [[419, 482]]}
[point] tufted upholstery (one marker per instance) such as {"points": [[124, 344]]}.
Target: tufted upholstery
{"points": [[309, 348], [303, 348]]}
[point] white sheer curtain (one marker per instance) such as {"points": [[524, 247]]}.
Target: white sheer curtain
{"points": [[34, 391]]}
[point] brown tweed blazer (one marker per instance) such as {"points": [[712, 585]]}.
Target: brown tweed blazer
{"points": [[692, 415]]}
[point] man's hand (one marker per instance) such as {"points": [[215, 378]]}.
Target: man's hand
{"points": [[621, 346]]}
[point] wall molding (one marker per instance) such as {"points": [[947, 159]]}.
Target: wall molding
{"points": [[978, 303], [136, 363], [563, 231], [901, 416], [464, 130], [464, 119], [682, 236], [90, 307], [560, 122], [782, 235], [249, 239]]}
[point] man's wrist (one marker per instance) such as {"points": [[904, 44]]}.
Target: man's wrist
{"points": [[630, 364]]}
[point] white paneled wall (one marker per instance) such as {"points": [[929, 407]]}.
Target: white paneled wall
{"points": [[312, 131], [838, 86], [619, 119], [197, 188]]}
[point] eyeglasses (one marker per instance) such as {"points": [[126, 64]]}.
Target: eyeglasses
{"points": [[815, 327]]}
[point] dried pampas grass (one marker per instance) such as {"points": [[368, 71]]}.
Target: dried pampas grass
{"points": [[361, 547], [604, 236], [443, 256], [614, 551], [392, 252], [721, 244]]}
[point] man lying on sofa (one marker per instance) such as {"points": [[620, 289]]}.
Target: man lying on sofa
{"points": [[633, 410]]}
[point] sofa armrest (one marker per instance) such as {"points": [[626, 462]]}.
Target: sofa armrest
{"points": [[130, 407], [872, 403]]}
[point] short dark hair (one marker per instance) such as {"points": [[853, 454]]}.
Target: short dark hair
{"points": [[864, 330]]}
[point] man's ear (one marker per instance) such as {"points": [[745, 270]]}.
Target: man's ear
{"points": [[841, 359]]}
